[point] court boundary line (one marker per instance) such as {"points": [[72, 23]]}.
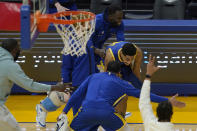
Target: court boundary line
{"points": [[128, 123]]}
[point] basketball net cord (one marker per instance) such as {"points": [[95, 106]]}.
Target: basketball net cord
{"points": [[75, 36]]}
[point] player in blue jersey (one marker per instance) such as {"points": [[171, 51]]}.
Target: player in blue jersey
{"points": [[71, 68], [108, 24], [100, 93], [130, 57]]}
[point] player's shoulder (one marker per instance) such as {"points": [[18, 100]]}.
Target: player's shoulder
{"points": [[99, 17], [96, 75], [14, 65]]}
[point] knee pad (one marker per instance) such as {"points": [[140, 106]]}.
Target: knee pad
{"points": [[54, 100]]}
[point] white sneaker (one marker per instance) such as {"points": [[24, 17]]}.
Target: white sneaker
{"points": [[128, 114], [41, 116]]}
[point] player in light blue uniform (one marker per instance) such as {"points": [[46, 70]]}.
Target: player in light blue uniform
{"points": [[11, 73]]}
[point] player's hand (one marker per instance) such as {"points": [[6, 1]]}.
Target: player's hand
{"points": [[60, 87], [69, 87], [100, 52], [59, 117], [151, 68], [60, 8], [176, 103]]}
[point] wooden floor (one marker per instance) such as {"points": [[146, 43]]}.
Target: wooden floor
{"points": [[134, 127], [23, 109]]}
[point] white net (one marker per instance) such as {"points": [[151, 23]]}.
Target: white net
{"points": [[75, 36]]}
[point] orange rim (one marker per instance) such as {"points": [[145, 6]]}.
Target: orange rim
{"points": [[43, 20]]}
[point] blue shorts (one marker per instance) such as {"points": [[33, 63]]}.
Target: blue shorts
{"points": [[89, 119]]}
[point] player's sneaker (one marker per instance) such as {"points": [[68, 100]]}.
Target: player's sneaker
{"points": [[41, 116], [128, 114]]}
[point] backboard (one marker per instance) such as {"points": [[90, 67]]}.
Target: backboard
{"points": [[29, 31]]}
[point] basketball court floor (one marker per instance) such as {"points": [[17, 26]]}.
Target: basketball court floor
{"points": [[23, 109]]}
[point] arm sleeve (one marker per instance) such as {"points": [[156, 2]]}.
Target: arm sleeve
{"points": [[132, 91], [66, 68], [17, 75], [120, 33], [78, 94], [144, 103]]}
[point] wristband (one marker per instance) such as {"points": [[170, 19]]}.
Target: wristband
{"points": [[148, 76]]}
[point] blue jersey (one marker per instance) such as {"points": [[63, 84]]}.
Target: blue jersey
{"points": [[126, 71], [115, 49], [104, 88], [76, 69], [104, 30]]}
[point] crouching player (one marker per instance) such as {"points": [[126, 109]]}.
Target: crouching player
{"points": [[100, 93]]}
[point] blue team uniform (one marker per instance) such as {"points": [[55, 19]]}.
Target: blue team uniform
{"points": [[74, 69], [126, 71], [70, 4], [103, 31], [100, 93]]}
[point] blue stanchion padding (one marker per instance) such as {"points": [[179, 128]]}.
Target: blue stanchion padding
{"points": [[162, 89], [169, 89], [156, 25], [25, 27], [160, 25]]}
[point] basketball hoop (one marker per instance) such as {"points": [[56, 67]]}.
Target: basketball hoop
{"points": [[74, 27]]}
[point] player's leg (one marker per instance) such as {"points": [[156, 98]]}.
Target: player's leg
{"points": [[128, 76], [51, 103], [41, 114], [114, 122], [7, 120], [121, 107], [126, 127]]}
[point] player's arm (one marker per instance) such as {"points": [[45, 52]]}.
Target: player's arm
{"points": [[130, 90], [144, 102], [16, 75], [59, 7], [120, 33], [77, 95], [100, 52], [137, 63], [108, 58], [151, 69], [66, 68]]}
